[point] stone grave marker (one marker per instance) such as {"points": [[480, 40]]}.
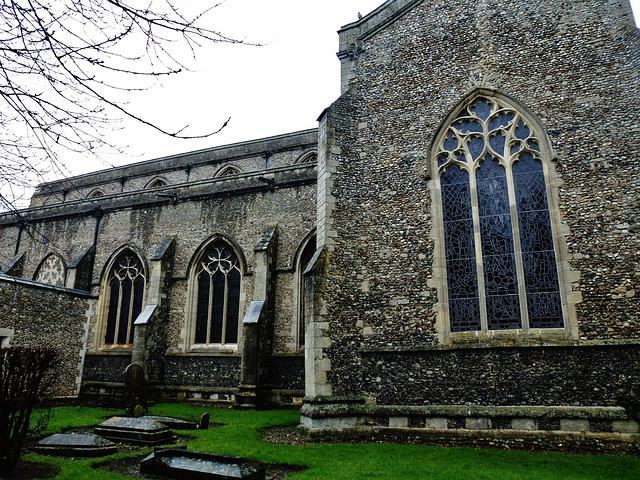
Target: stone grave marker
{"points": [[135, 390], [204, 421], [179, 463], [76, 445], [140, 431]]}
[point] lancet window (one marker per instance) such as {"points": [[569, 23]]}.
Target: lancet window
{"points": [[501, 267]]}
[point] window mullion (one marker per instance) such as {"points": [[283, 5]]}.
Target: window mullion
{"points": [[209, 310], [477, 243], [130, 315], [118, 313], [515, 226], [224, 309]]}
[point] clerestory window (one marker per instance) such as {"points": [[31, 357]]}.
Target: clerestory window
{"points": [[218, 282], [125, 292], [500, 261]]}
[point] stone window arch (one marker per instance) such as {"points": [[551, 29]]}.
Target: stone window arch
{"points": [[123, 297], [156, 183], [51, 271], [307, 157], [215, 296], [96, 193], [303, 257], [227, 171], [500, 260]]}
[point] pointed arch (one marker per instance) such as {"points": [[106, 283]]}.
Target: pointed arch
{"points": [[216, 296], [307, 157], [500, 262], [227, 171], [96, 193], [302, 258], [122, 297], [157, 182], [52, 271]]}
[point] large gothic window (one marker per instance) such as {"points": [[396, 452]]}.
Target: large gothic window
{"points": [[125, 290], [500, 263], [218, 296]]}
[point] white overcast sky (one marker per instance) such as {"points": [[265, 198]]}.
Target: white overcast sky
{"points": [[278, 88]]}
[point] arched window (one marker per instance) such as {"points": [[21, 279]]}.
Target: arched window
{"points": [[51, 271], [309, 157], [96, 193], [217, 280], [304, 258], [125, 285], [500, 261], [228, 170], [157, 183]]}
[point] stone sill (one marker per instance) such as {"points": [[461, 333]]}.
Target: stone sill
{"points": [[116, 351], [205, 353]]}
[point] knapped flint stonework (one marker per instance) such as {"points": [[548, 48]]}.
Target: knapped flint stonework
{"points": [[571, 66], [423, 223], [52, 318]]}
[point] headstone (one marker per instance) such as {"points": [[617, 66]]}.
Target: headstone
{"points": [[135, 390], [140, 431], [178, 463], [76, 445], [204, 421]]}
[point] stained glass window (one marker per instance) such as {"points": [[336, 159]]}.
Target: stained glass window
{"points": [[125, 292], [218, 296], [500, 258]]}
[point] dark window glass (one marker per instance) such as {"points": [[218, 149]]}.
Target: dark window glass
{"points": [[305, 258], [480, 147], [126, 293], [218, 297]]}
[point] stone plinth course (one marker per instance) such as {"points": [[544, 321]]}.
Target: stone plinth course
{"points": [[76, 445]]}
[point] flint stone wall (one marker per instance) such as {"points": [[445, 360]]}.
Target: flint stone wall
{"points": [[45, 316], [576, 66]]}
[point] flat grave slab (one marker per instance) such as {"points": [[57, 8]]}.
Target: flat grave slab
{"points": [[181, 464], [139, 431], [175, 423], [76, 445]]}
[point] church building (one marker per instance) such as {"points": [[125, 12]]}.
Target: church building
{"points": [[455, 248]]}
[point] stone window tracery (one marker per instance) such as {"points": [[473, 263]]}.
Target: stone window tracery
{"points": [[157, 183], [51, 271], [228, 170], [96, 193], [501, 267], [125, 291], [218, 296]]}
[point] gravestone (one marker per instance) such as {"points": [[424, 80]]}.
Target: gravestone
{"points": [[140, 431], [204, 421], [135, 391], [76, 445], [178, 463]]}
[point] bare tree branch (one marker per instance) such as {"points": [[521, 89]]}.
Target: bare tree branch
{"points": [[65, 66]]}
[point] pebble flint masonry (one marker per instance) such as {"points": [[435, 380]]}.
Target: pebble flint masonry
{"points": [[455, 248]]}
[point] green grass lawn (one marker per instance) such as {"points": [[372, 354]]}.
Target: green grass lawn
{"points": [[240, 437]]}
